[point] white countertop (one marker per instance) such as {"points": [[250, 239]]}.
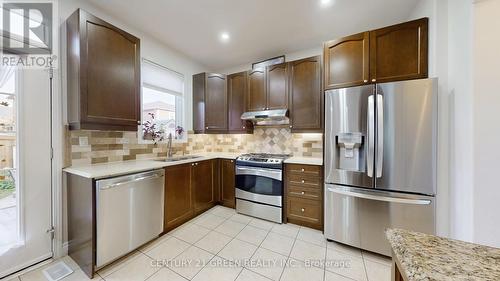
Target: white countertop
{"points": [[305, 160], [104, 170]]}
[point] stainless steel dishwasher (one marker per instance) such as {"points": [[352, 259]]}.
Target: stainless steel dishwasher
{"points": [[129, 213]]}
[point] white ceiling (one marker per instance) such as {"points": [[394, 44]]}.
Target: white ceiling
{"points": [[259, 29]]}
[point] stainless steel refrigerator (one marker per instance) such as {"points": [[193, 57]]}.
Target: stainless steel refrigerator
{"points": [[380, 161]]}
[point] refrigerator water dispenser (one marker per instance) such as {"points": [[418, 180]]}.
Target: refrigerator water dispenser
{"points": [[349, 145]]}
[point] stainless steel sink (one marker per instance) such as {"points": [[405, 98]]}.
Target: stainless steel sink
{"points": [[179, 158]]}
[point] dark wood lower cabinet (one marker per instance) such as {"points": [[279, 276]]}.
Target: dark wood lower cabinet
{"points": [[202, 183], [227, 183], [304, 195], [178, 206]]}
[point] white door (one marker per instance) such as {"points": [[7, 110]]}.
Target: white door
{"points": [[25, 168]]}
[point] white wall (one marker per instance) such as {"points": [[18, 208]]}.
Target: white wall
{"points": [[150, 49], [288, 57], [486, 63]]}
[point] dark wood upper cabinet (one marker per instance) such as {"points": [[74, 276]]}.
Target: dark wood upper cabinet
{"points": [[199, 103], [237, 101], [277, 86], [216, 102], [178, 206], [209, 103], [227, 183], [103, 75], [399, 52], [306, 97], [346, 61], [202, 180], [257, 97]]}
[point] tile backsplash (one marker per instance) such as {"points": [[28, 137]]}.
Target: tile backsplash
{"points": [[90, 147]]}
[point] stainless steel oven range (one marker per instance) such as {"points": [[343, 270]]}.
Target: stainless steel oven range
{"points": [[259, 185]]}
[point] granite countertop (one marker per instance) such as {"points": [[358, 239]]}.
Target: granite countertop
{"points": [[105, 170], [427, 257]]}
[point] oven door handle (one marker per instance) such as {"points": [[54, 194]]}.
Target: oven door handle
{"points": [[268, 173]]}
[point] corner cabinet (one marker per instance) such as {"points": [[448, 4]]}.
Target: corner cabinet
{"points": [[209, 103], [397, 52], [306, 96], [99, 98]]}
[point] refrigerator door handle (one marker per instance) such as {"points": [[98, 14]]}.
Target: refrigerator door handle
{"points": [[380, 135], [371, 196], [371, 136]]}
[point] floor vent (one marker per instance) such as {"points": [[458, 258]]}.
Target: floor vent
{"points": [[57, 271]]}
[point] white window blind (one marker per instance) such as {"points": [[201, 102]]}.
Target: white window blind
{"points": [[162, 79]]}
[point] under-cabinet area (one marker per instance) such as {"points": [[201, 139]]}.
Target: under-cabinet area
{"points": [[114, 204]]}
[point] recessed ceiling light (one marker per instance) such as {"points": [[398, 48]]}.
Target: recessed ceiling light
{"points": [[224, 36], [325, 2]]}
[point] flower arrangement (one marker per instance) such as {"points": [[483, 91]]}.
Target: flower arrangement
{"points": [[150, 130], [179, 131]]}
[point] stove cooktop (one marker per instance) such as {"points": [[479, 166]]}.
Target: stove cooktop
{"points": [[262, 158]]}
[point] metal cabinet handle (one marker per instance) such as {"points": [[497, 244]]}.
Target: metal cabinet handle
{"points": [[302, 210], [302, 193], [303, 181], [291, 126], [192, 164], [206, 128], [366, 81], [380, 136], [374, 80], [232, 161], [243, 127], [302, 170], [366, 195], [371, 136], [130, 181]]}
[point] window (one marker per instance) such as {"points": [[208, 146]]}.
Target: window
{"points": [[162, 100]]}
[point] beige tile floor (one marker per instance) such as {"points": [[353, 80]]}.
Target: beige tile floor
{"points": [[222, 245]]}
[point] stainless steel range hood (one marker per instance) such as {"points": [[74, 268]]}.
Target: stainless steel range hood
{"points": [[267, 117]]}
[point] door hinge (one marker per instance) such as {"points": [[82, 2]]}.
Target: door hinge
{"points": [[51, 72], [52, 232], [51, 153]]}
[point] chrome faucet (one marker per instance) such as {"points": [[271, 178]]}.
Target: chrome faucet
{"points": [[169, 146]]}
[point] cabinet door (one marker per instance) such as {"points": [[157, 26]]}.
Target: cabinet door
{"points": [[227, 183], [399, 52], [199, 103], [347, 61], [178, 207], [215, 103], [257, 90], [277, 86], [306, 97], [202, 178], [236, 95], [109, 98]]}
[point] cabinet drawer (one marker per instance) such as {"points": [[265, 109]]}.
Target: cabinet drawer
{"points": [[305, 170], [304, 209], [304, 181], [302, 192]]}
